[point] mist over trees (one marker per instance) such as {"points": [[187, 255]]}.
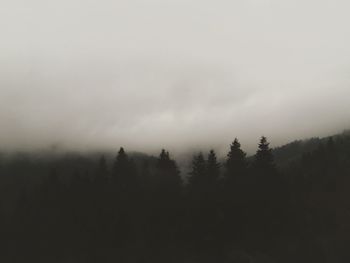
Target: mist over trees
{"points": [[127, 209]]}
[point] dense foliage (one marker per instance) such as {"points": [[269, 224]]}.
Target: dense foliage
{"points": [[139, 209]]}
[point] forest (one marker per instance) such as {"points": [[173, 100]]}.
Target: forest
{"points": [[289, 204]]}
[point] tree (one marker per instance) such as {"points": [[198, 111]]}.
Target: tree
{"points": [[198, 172], [236, 163], [204, 174], [264, 161], [121, 163], [234, 191], [213, 167], [167, 170], [166, 198], [202, 202], [102, 170], [269, 190], [123, 169]]}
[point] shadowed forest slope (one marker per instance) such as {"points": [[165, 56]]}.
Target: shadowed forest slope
{"points": [[290, 204]]}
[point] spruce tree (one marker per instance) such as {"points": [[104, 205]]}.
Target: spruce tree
{"points": [[236, 163], [213, 167], [264, 161], [102, 170], [198, 172], [167, 171], [122, 169], [122, 161]]}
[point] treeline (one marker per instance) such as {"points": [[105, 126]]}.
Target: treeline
{"points": [[239, 210]]}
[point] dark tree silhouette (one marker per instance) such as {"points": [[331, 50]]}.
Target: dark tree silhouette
{"points": [[236, 163], [102, 170], [264, 160], [124, 171], [198, 172], [213, 167], [167, 171], [74, 208], [121, 164]]}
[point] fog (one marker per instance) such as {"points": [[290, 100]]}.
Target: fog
{"points": [[85, 75]]}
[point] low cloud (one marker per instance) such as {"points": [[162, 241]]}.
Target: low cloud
{"points": [[177, 74]]}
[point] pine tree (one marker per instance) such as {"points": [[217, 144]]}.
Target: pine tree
{"points": [[122, 169], [213, 167], [236, 163], [163, 160], [167, 171], [122, 161], [264, 161], [102, 170], [198, 172]]}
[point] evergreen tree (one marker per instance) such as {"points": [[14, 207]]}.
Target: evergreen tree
{"points": [[164, 159], [124, 172], [234, 191], [213, 167], [102, 170], [121, 163], [264, 161], [167, 173], [236, 163], [198, 172]]}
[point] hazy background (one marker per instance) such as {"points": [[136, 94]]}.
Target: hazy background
{"points": [[178, 74]]}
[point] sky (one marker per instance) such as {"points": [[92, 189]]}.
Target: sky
{"points": [[179, 74]]}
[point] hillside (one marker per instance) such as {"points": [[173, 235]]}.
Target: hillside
{"points": [[293, 152]]}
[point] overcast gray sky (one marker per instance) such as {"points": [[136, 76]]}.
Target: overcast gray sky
{"points": [[179, 74]]}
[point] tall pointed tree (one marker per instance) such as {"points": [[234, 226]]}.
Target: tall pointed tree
{"points": [[123, 170], [236, 163], [264, 161], [198, 172], [163, 160], [102, 170], [122, 161], [167, 170], [213, 167]]}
